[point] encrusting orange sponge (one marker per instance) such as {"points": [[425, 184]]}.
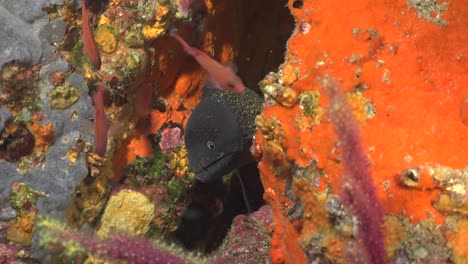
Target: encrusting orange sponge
{"points": [[403, 67]]}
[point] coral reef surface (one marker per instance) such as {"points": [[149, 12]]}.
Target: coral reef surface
{"points": [[360, 146]]}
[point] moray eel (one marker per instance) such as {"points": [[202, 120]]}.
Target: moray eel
{"points": [[219, 132]]}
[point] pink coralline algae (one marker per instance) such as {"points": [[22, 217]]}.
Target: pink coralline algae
{"points": [[184, 6], [8, 253], [248, 240], [171, 138]]}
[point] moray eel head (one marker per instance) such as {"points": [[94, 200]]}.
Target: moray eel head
{"points": [[213, 139]]}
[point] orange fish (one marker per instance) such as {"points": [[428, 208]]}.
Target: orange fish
{"points": [[90, 47], [100, 122], [222, 76]]}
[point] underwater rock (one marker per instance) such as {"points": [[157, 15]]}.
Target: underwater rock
{"points": [[16, 142], [9, 253], [21, 38], [62, 97], [20, 88], [5, 114], [6, 211], [171, 138], [248, 240], [21, 229], [411, 118], [52, 173], [121, 214], [165, 179], [54, 31], [106, 38]]}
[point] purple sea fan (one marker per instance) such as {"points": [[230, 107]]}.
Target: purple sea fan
{"points": [[118, 248], [358, 192]]}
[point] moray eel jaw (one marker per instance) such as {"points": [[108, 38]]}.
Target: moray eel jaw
{"points": [[221, 166]]}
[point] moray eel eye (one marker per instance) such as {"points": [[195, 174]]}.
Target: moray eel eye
{"points": [[210, 145]]}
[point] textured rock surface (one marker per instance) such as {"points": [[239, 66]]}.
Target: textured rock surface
{"points": [[21, 38], [401, 65], [25, 37], [248, 240], [412, 118]]}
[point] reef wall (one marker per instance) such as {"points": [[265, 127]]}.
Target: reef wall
{"points": [[362, 144], [48, 107], [402, 66]]}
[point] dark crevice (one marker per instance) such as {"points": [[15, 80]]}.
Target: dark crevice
{"points": [[298, 4], [263, 30]]}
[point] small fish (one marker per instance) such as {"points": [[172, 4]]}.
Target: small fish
{"points": [[100, 122], [222, 76], [219, 132], [90, 47]]}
